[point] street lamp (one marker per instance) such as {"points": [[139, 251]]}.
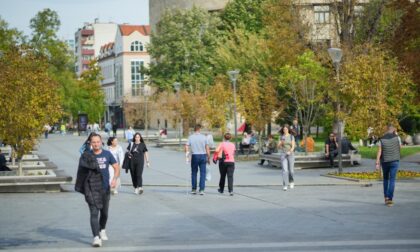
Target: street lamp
{"points": [[177, 87], [233, 75], [146, 94], [336, 54]]}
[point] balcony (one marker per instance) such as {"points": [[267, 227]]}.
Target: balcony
{"points": [[87, 32], [88, 52]]}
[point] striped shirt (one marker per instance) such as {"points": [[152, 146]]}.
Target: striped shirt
{"points": [[390, 145]]}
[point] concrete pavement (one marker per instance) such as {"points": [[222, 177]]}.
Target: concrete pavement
{"points": [[320, 214]]}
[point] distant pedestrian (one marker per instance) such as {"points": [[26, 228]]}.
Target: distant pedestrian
{"points": [[331, 148], [129, 134], [227, 164], [108, 128], [138, 153], [388, 156], [118, 153], [93, 180], [46, 129], [271, 146], [295, 130], [96, 127], [3, 162], [63, 129], [200, 155], [286, 148], [114, 129]]}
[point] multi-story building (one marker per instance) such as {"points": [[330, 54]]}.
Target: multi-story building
{"points": [[121, 60], [88, 41]]}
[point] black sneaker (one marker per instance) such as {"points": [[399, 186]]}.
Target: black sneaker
{"points": [[220, 190]]}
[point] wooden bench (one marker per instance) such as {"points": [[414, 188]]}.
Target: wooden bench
{"points": [[313, 160]]}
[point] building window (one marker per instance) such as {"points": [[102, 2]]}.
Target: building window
{"points": [[137, 46], [118, 81], [322, 14], [137, 78]]}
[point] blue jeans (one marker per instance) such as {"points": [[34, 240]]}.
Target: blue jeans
{"points": [[389, 170], [198, 161]]}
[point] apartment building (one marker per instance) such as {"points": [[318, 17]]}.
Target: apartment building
{"points": [[124, 84], [88, 41]]}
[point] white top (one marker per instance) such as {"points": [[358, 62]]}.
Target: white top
{"points": [[118, 154]]}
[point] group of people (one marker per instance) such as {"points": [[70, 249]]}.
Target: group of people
{"points": [[99, 168]]}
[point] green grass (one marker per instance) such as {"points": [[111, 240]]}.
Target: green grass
{"points": [[367, 152]]}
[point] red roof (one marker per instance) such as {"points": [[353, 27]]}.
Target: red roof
{"points": [[126, 30]]}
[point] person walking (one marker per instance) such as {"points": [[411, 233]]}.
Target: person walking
{"points": [[138, 153], [388, 156], [108, 128], [331, 148], [46, 129], [118, 153], [93, 180], [200, 155], [114, 128], [286, 148], [226, 165], [129, 134]]}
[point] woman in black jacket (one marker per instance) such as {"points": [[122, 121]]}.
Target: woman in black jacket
{"points": [[138, 154]]}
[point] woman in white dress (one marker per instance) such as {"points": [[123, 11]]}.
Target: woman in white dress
{"points": [[118, 153]]}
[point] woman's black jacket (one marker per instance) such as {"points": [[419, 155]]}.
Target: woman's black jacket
{"points": [[89, 179]]}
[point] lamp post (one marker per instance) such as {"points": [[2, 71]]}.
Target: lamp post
{"points": [[177, 87], [336, 54], [233, 75], [146, 94]]}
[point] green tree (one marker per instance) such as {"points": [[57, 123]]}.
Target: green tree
{"points": [[90, 97], [245, 14], [29, 98], [9, 38], [182, 48], [307, 83]]}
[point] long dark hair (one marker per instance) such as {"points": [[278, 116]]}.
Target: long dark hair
{"points": [[285, 126], [134, 137]]}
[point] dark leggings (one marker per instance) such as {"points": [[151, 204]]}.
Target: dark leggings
{"points": [[226, 168], [137, 172], [98, 223]]}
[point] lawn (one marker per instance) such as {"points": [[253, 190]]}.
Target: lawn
{"points": [[371, 152]]}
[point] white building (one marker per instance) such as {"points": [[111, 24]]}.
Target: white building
{"points": [[88, 41], [120, 61]]}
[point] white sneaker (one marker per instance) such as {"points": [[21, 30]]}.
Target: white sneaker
{"points": [[140, 190], [136, 191], [292, 185], [103, 235], [284, 188], [97, 242]]}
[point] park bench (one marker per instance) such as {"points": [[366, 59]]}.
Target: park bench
{"points": [[312, 160], [171, 142]]}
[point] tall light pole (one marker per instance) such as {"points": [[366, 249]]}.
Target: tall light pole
{"points": [[146, 94], [177, 87], [233, 75], [336, 54]]}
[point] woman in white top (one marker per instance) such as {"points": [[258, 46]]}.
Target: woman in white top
{"points": [[118, 153]]}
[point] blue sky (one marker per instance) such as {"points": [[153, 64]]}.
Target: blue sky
{"points": [[74, 13]]}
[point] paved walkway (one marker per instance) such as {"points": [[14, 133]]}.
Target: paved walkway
{"points": [[321, 214]]}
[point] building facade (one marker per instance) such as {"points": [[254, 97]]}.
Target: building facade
{"points": [[88, 41], [123, 82]]}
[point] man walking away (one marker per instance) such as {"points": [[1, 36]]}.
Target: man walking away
{"points": [[200, 154], [389, 157], [93, 181]]}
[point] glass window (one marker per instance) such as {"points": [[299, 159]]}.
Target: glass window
{"points": [[137, 78], [322, 14], [137, 46], [118, 81]]}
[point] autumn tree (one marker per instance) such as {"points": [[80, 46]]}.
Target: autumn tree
{"points": [[9, 37], [374, 90], [29, 98]]}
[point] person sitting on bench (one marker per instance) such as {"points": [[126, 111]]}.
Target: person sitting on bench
{"points": [[271, 145], [245, 143], [3, 166], [331, 148]]}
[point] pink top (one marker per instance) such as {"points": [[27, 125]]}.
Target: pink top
{"points": [[229, 149]]}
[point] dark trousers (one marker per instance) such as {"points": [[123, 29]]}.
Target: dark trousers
{"points": [[265, 153], [99, 217], [136, 172], [226, 168], [331, 157]]}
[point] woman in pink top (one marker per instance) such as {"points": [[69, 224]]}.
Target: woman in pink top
{"points": [[226, 165]]}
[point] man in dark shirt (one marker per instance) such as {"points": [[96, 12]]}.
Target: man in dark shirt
{"points": [[3, 166], [331, 148]]}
